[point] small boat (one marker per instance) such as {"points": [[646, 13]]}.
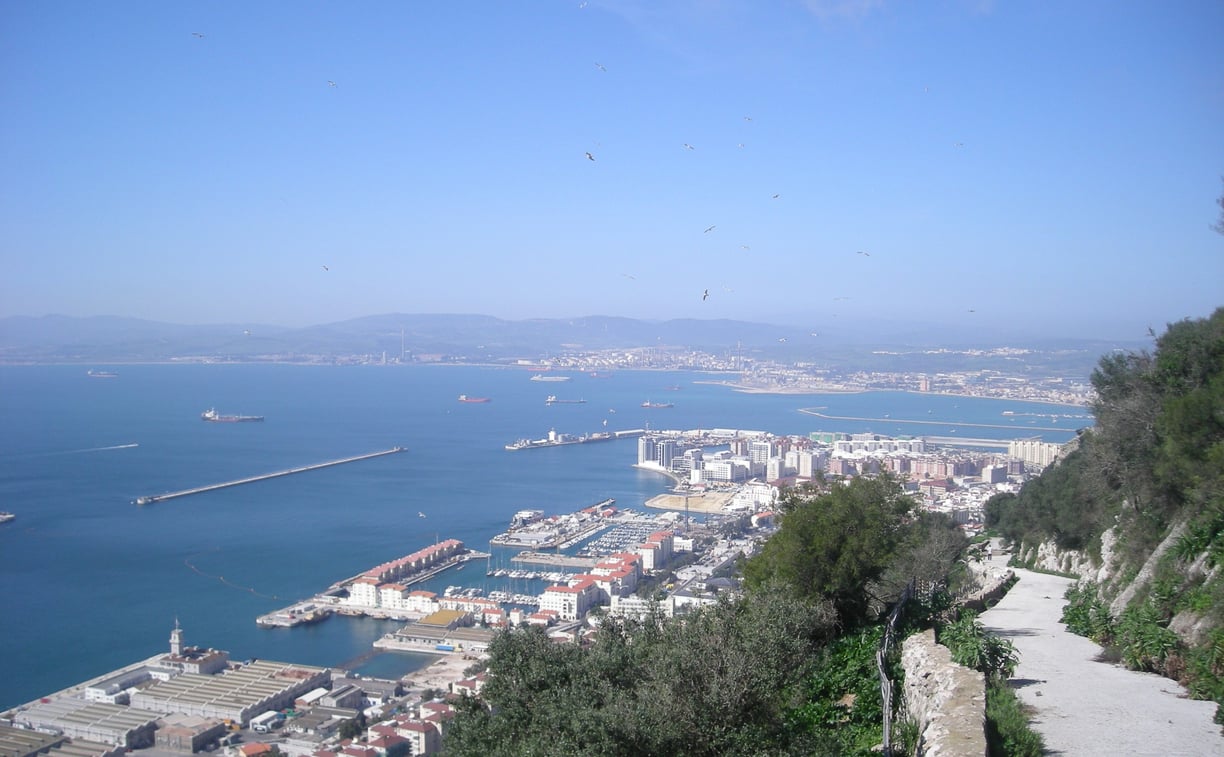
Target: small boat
{"points": [[6, 517], [552, 400], [650, 404], [465, 398], [101, 374]]}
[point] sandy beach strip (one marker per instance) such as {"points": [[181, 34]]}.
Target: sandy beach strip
{"points": [[709, 502]]}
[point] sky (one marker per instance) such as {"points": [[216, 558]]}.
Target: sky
{"points": [[1054, 166]]}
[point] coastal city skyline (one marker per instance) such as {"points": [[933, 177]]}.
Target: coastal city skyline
{"points": [[802, 163]]}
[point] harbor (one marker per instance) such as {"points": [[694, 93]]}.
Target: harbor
{"points": [[154, 498]]}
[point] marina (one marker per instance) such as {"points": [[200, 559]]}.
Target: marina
{"points": [[154, 498]]}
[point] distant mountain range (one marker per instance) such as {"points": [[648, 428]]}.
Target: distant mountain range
{"points": [[480, 338]]}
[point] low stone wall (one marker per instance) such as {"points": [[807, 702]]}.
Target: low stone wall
{"points": [[995, 584], [946, 700]]}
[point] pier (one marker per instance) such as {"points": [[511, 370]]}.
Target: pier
{"points": [[554, 560], [152, 498]]}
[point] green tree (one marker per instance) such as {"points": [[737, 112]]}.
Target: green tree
{"points": [[836, 546], [718, 681]]}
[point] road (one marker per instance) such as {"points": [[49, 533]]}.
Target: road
{"points": [[1084, 707]]}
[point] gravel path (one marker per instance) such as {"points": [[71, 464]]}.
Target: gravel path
{"points": [[1084, 707]]}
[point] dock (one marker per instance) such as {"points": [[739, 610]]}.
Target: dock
{"points": [[153, 498], [554, 560]]}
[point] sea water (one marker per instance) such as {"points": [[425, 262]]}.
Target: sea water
{"points": [[90, 582]]}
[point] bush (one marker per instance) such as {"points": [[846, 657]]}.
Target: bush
{"points": [[973, 647]]}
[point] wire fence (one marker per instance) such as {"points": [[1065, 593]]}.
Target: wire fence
{"points": [[882, 652]]}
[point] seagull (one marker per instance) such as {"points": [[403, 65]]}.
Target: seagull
{"points": [[629, 277], [420, 514], [868, 254], [741, 144], [745, 247], [959, 144], [705, 296], [325, 268], [781, 339], [600, 67], [246, 332], [687, 146], [775, 197], [590, 156], [747, 118], [197, 35], [707, 231], [331, 83]]}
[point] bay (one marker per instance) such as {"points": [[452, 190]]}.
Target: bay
{"points": [[90, 581]]}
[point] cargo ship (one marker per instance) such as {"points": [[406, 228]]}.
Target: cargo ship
{"points": [[465, 398], [552, 400], [213, 416], [650, 404], [542, 377]]}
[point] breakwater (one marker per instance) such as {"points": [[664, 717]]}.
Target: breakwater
{"points": [[153, 498], [945, 423]]}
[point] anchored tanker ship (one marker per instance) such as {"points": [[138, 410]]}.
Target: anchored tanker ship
{"points": [[213, 416]]}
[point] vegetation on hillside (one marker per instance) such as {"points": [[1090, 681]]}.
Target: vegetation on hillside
{"points": [[788, 668], [1144, 496]]}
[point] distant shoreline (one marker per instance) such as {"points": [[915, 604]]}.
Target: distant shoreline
{"points": [[811, 390]]}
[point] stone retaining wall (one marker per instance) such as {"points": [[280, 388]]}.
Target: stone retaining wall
{"points": [[946, 700]]}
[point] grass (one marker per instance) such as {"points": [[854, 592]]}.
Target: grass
{"points": [[1007, 729]]}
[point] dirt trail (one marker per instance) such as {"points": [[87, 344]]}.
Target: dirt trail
{"points": [[1085, 707]]}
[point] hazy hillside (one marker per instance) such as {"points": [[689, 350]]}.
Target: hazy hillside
{"points": [[480, 338]]}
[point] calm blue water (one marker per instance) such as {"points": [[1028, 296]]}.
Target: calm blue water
{"points": [[90, 582]]}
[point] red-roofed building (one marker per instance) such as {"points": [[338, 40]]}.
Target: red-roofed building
{"points": [[425, 738], [570, 602]]}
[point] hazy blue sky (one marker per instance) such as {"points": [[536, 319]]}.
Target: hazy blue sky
{"points": [[1040, 163]]}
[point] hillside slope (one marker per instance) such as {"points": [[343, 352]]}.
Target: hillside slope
{"points": [[1137, 510]]}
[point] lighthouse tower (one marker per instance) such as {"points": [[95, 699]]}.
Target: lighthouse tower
{"points": [[176, 640]]}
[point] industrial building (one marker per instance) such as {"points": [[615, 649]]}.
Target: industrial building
{"points": [[130, 727], [237, 694]]}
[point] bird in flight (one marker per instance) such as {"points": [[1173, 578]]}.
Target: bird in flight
{"points": [[861, 252], [745, 247], [197, 35], [590, 156], [705, 295], [775, 197], [687, 146], [740, 145], [600, 67], [707, 231], [246, 332], [331, 83], [325, 268], [959, 144], [747, 118], [629, 277]]}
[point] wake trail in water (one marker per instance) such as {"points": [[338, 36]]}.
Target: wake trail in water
{"points": [[231, 584], [72, 451]]}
